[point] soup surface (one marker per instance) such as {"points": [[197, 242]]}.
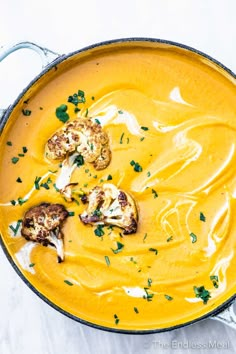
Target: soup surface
{"points": [[174, 114]]}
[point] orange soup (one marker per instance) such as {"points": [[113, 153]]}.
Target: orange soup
{"points": [[173, 113]]}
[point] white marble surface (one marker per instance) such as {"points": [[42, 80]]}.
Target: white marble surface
{"points": [[27, 324]]}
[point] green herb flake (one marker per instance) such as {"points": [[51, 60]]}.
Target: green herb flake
{"points": [[141, 139], [145, 236], [97, 121], [16, 228], [31, 265], [86, 112], [145, 128], [153, 250], [107, 260], [109, 177], [168, 297], [148, 174], [45, 185], [15, 160], [155, 195], [19, 180], [21, 155], [55, 186], [71, 213], [119, 248], [9, 143], [121, 138], [194, 237], [169, 239], [36, 182], [68, 282], [215, 280], [99, 231], [13, 202], [202, 217], [120, 111], [136, 165], [149, 282], [21, 201], [24, 149], [61, 113], [79, 160], [202, 293], [148, 296], [132, 163], [117, 320], [92, 98], [26, 112], [136, 310]]}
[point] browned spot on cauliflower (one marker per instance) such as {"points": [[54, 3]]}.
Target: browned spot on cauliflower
{"points": [[42, 224], [84, 136], [111, 206]]}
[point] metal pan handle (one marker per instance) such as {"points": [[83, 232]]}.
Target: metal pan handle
{"points": [[46, 55], [227, 316]]}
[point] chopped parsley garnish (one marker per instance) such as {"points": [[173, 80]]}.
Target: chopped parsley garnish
{"points": [[202, 217], [99, 231], [24, 149], [148, 296], [109, 177], [86, 112], [136, 165], [21, 200], [145, 128], [194, 237], [15, 160], [93, 98], [121, 138], [202, 293], [136, 310], [13, 202], [169, 239], [45, 185], [31, 265], [71, 213], [36, 182], [55, 186], [141, 139], [155, 195], [77, 109], [120, 111], [168, 297], [9, 143], [120, 247], [97, 121], [16, 228], [149, 282], [61, 113], [107, 260], [77, 98], [79, 160], [21, 155], [68, 282], [148, 174], [117, 320], [215, 280], [97, 212], [145, 236], [153, 250], [19, 180], [26, 112]]}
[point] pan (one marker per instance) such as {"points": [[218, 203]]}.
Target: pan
{"points": [[172, 62]]}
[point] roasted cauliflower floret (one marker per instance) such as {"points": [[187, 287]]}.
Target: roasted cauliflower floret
{"points": [[111, 206], [42, 224], [84, 136]]}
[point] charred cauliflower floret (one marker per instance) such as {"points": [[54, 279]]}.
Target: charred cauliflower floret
{"points": [[42, 224], [84, 136], [111, 206]]}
